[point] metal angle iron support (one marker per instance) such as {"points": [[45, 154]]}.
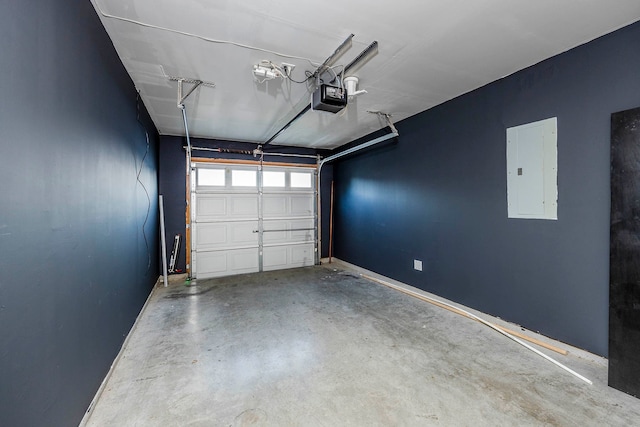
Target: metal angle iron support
{"points": [[344, 46], [286, 126], [387, 118], [196, 84], [180, 104], [182, 97], [368, 53]]}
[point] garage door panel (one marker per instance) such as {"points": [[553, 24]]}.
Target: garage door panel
{"points": [[211, 264], [221, 207], [243, 206], [243, 259], [226, 235], [288, 256], [302, 205], [303, 230], [210, 234], [302, 255], [288, 231], [301, 236], [275, 205], [244, 233], [275, 258], [211, 206], [226, 263], [270, 234]]}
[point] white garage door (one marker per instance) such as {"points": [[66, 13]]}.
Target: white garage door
{"points": [[246, 219]]}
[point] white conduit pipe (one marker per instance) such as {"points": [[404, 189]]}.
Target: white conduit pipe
{"points": [[491, 325], [163, 241]]}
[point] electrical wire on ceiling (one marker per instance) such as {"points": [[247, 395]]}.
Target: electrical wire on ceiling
{"points": [[311, 75], [267, 70], [197, 36]]}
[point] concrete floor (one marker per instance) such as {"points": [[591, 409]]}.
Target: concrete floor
{"points": [[324, 347]]}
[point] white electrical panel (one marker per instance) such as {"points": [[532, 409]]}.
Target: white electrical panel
{"points": [[532, 170]]}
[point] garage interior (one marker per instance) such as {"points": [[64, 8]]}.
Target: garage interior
{"points": [[422, 118]]}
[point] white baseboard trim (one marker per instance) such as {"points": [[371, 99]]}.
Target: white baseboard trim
{"points": [[584, 354], [88, 412]]}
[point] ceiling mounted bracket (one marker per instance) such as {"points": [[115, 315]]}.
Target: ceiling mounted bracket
{"points": [[182, 97], [180, 104], [387, 118], [196, 84], [258, 152]]}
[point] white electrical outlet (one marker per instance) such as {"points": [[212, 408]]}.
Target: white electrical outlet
{"points": [[417, 264]]}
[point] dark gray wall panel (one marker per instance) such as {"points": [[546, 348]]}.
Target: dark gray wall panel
{"points": [[624, 286], [173, 181], [74, 266], [439, 195]]}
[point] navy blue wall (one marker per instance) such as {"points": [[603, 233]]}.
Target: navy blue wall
{"points": [[75, 269], [173, 181], [439, 195]]}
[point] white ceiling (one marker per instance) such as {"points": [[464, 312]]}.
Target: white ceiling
{"points": [[430, 51]]}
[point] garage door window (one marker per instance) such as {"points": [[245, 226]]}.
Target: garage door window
{"points": [[243, 178], [300, 180], [273, 179], [211, 177]]}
